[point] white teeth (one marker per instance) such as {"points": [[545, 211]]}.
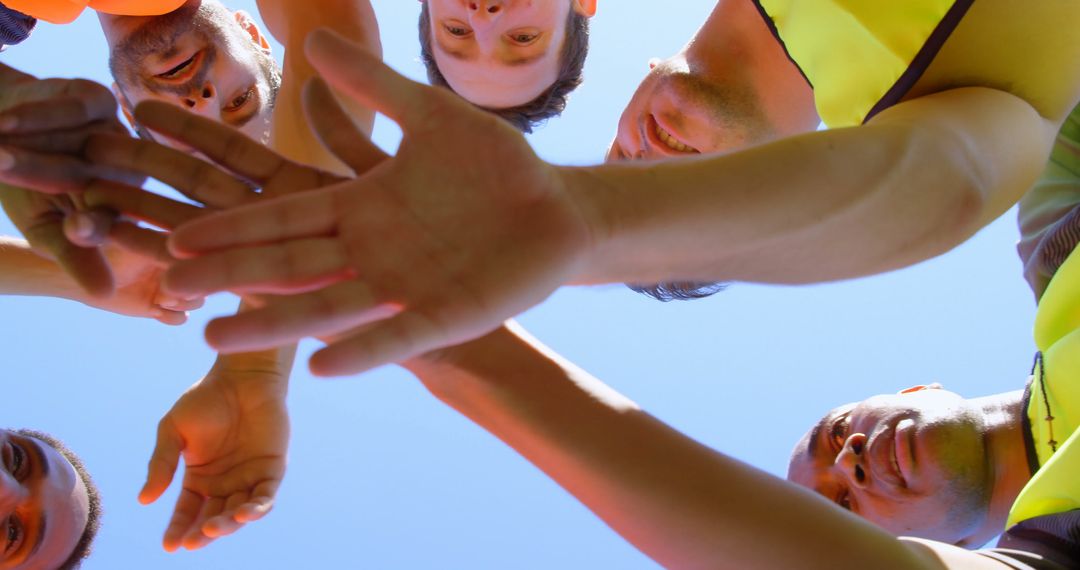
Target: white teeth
{"points": [[671, 142]]}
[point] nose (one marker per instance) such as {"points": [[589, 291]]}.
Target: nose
{"points": [[201, 98], [851, 461], [485, 8], [12, 493], [485, 11]]}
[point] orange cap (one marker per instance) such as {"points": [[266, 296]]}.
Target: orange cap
{"points": [[65, 11]]}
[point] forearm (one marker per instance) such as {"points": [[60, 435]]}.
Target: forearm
{"points": [[271, 368], [291, 22], [24, 272], [916, 181], [681, 503]]}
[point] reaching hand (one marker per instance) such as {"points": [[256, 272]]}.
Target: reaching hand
{"points": [[462, 229], [138, 290], [232, 429], [44, 125], [249, 171]]}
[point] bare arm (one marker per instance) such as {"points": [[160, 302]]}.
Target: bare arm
{"points": [[23, 272], [924, 176], [291, 22], [681, 503]]}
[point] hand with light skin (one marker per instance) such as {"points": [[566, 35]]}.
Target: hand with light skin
{"points": [[249, 171], [232, 430], [44, 125], [138, 291], [407, 262]]}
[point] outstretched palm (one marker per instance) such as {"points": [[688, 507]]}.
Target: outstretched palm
{"points": [[233, 433]]}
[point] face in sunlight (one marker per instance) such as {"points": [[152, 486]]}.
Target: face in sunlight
{"points": [[201, 57], [44, 504], [914, 463], [501, 53]]}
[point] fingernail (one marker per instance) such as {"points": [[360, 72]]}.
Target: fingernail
{"points": [[7, 160], [84, 226], [8, 123]]}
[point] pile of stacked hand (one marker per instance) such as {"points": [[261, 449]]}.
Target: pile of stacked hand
{"points": [[937, 127]]}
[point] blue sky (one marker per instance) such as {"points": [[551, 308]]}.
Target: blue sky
{"points": [[382, 475]]}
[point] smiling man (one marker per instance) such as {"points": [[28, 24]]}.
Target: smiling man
{"points": [[519, 59], [925, 462], [48, 504]]}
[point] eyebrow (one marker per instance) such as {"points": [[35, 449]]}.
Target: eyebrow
{"points": [[815, 436], [43, 521]]}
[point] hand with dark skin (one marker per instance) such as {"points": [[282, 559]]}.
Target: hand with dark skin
{"points": [[44, 125]]}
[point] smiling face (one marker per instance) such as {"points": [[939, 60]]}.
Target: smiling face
{"points": [[914, 463], [500, 54], [201, 57], [44, 504], [682, 109]]}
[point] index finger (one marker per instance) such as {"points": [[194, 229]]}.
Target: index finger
{"points": [[220, 143], [194, 178], [51, 105]]}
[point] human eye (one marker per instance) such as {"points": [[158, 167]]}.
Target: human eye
{"points": [[239, 102], [14, 534], [179, 69], [457, 29], [20, 467], [838, 433], [524, 37]]}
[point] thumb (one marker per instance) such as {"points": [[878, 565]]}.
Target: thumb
{"points": [[163, 462], [357, 72]]}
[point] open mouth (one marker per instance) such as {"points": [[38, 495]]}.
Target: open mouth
{"points": [[668, 140]]}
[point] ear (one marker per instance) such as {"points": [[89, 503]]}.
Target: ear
{"points": [[586, 8], [248, 24], [921, 387]]}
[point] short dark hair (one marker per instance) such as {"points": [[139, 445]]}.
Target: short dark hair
{"points": [[679, 290], [550, 103], [93, 522]]}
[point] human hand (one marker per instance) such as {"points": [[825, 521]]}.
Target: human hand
{"points": [[232, 429], [462, 229], [44, 125], [248, 170], [138, 290]]}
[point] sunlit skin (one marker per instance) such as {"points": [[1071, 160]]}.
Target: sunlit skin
{"points": [[501, 53], [43, 504], [925, 462], [204, 62], [702, 101]]}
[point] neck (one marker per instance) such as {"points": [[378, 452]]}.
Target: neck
{"points": [[1007, 456]]}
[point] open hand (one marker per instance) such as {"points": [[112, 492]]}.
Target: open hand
{"points": [[439, 244], [232, 429]]}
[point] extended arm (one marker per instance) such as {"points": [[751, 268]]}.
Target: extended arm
{"points": [[681, 503], [290, 23], [916, 181]]}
